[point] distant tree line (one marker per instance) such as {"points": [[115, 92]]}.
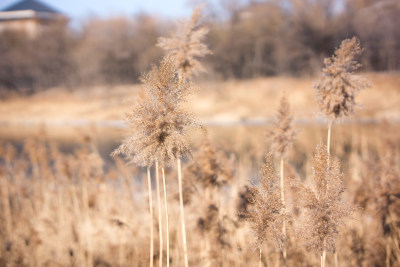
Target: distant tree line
{"points": [[248, 39]]}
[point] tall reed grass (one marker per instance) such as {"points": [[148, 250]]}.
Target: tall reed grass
{"points": [[60, 209]]}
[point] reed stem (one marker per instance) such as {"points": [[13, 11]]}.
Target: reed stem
{"points": [[151, 215], [328, 150], [166, 213], [335, 259], [328, 142], [387, 259], [185, 252], [284, 211], [160, 233]]}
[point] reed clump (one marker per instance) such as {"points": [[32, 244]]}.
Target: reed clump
{"points": [[158, 126], [337, 87], [185, 47], [379, 190], [84, 209]]}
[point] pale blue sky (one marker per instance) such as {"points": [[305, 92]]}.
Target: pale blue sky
{"points": [[78, 9]]}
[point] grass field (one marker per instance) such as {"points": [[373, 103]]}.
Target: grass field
{"points": [[218, 103], [66, 202]]}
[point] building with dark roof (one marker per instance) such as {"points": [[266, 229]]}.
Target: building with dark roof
{"points": [[29, 16]]}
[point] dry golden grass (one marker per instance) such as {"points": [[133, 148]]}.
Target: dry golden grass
{"points": [[228, 101], [65, 209], [79, 208]]}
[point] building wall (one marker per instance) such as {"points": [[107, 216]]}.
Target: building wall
{"points": [[30, 26]]}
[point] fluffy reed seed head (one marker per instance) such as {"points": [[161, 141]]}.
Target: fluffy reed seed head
{"points": [[158, 122], [266, 215], [325, 208], [282, 135], [210, 167], [186, 45], [163, 85], [337, 87]]}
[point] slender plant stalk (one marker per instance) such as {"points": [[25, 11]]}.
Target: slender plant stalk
{"points": [[328, 148], [323, 255], [88, 241], [185, 252], [328, 142], [166, 213], [284, 211], [335, 259], [160, 233], [151, 215], [259, 262], [220, 221], [278, 260], [387, 260], [6, 210]]}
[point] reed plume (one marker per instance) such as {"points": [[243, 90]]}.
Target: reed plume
{"points": [[210, 167], [282, 134], [266, 215], [325, 208], [186, 45], [337, 87], [158, 122]]}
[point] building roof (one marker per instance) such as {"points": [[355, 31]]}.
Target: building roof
{"points": [[33, 5]]}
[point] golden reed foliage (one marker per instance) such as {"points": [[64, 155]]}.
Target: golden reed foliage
{"points": [[158, 122], [185, 46], [337, 87]]}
